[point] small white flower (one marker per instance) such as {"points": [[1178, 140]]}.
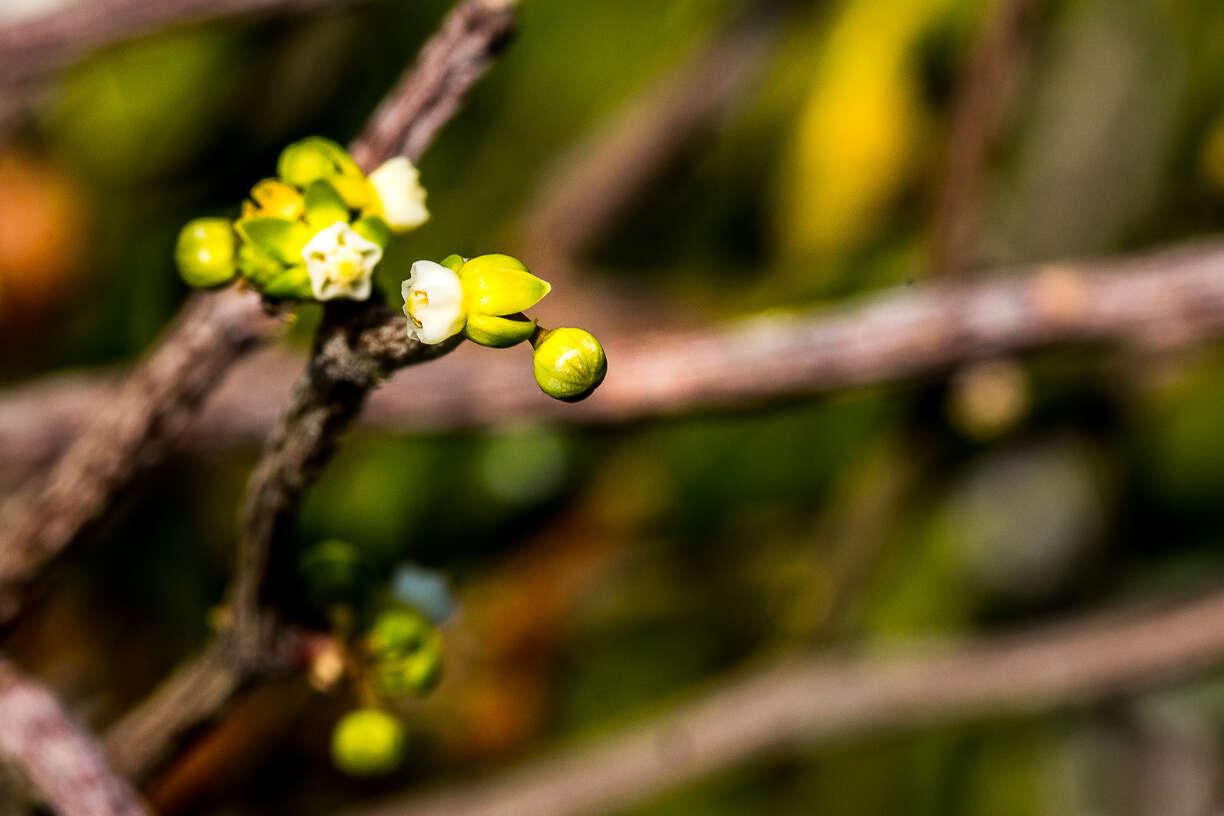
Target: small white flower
{"points": [[433, 302], [400, 194], [340, 263]]}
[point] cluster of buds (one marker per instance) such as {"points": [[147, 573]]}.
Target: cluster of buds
{"points": [[484, 298], [315, 232], [318, 230]]}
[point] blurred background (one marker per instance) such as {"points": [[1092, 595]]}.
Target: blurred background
{"points": [[790, 154]]}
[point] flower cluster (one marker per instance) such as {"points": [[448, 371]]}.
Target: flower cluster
{"points": [[315, 232], [484, 298]]}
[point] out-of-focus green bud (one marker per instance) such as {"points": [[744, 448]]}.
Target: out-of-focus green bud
{"points": [[291, 283], [335, 572], [355, 190], [275, 198], [569, 363], [324, 206], [499, 285], [406, 651], [315, 158], [374, 229], [256, 266], [368, 742], [278, 237], [454, 262], [205, 252], [498, 332]]}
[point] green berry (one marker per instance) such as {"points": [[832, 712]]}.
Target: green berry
{"points": [[569, 363], [205, 252], [368, 742]]}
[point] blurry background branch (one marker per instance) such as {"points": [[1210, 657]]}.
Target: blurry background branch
{"points": [[30, 50], [822, 699], [61, 761], [1152, 300]]}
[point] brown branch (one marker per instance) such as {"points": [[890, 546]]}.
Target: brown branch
{"points": [[29, 50], [825, 698], [61, 761], [357, 346], [979, 112], [1161, 298], [125, 433]]}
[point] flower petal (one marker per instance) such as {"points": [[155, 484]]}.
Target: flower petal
{"points": [[401, 198], [433, 302]]}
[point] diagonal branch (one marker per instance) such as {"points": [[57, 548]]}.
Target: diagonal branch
{"points": [[61, 761], [826, 698], [357, 346]]}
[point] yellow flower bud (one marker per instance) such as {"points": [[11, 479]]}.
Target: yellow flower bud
{"points": [[315, 158], [276, 198], [205, 252], [499, 285], [368, 742], [569, 363]]}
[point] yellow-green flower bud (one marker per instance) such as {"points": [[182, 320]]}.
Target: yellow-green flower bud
{"points": [[569, 363], [276, 198], [498, 332], [205, 252], [499, 285], [368, 742], [315, 158], [406, 653]]}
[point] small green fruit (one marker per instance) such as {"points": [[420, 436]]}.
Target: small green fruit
{"points": [[368, 742], [569, 363], [406, 651], [205, 252]]}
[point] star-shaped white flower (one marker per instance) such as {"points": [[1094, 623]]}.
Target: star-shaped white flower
{"points": [[433, 302], [340, 263]]}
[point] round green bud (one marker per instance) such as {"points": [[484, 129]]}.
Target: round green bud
{"points": [[406, 651], [335, 572], [569, 363], [314, 158], [205, 252], [368, 742]]}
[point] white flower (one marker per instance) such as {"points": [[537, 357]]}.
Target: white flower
{"points": [[400, 194], [433, 301], [340, 263]]}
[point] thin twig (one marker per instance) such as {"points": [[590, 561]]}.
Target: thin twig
{"points": [[61, 761], [1159, 298], [825, 698], [979, 112], [125, 433]]}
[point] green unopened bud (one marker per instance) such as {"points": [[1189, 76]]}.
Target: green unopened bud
{"points": [[368, 742], [569, 363], [499, 285], [406, 651], [205, 252], [498, 332], [315, 158], [336, 572]]}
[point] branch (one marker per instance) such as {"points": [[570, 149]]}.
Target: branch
{"points": [[357, 346], [1162, 298], [61, 761], [826, 698], [131, 429], [29, 50]]}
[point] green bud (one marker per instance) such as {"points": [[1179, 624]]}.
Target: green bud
{"points": [[500, 285], [324, 206], [335, 572], [406, 650], [291, 283], [279, 237], [256, 266], [373, 228], [368, 742], [497, 332], [205, 252], [315, 158], [569, 363]]}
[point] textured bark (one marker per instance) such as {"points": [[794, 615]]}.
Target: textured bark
{"points": [[60, 761]]}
